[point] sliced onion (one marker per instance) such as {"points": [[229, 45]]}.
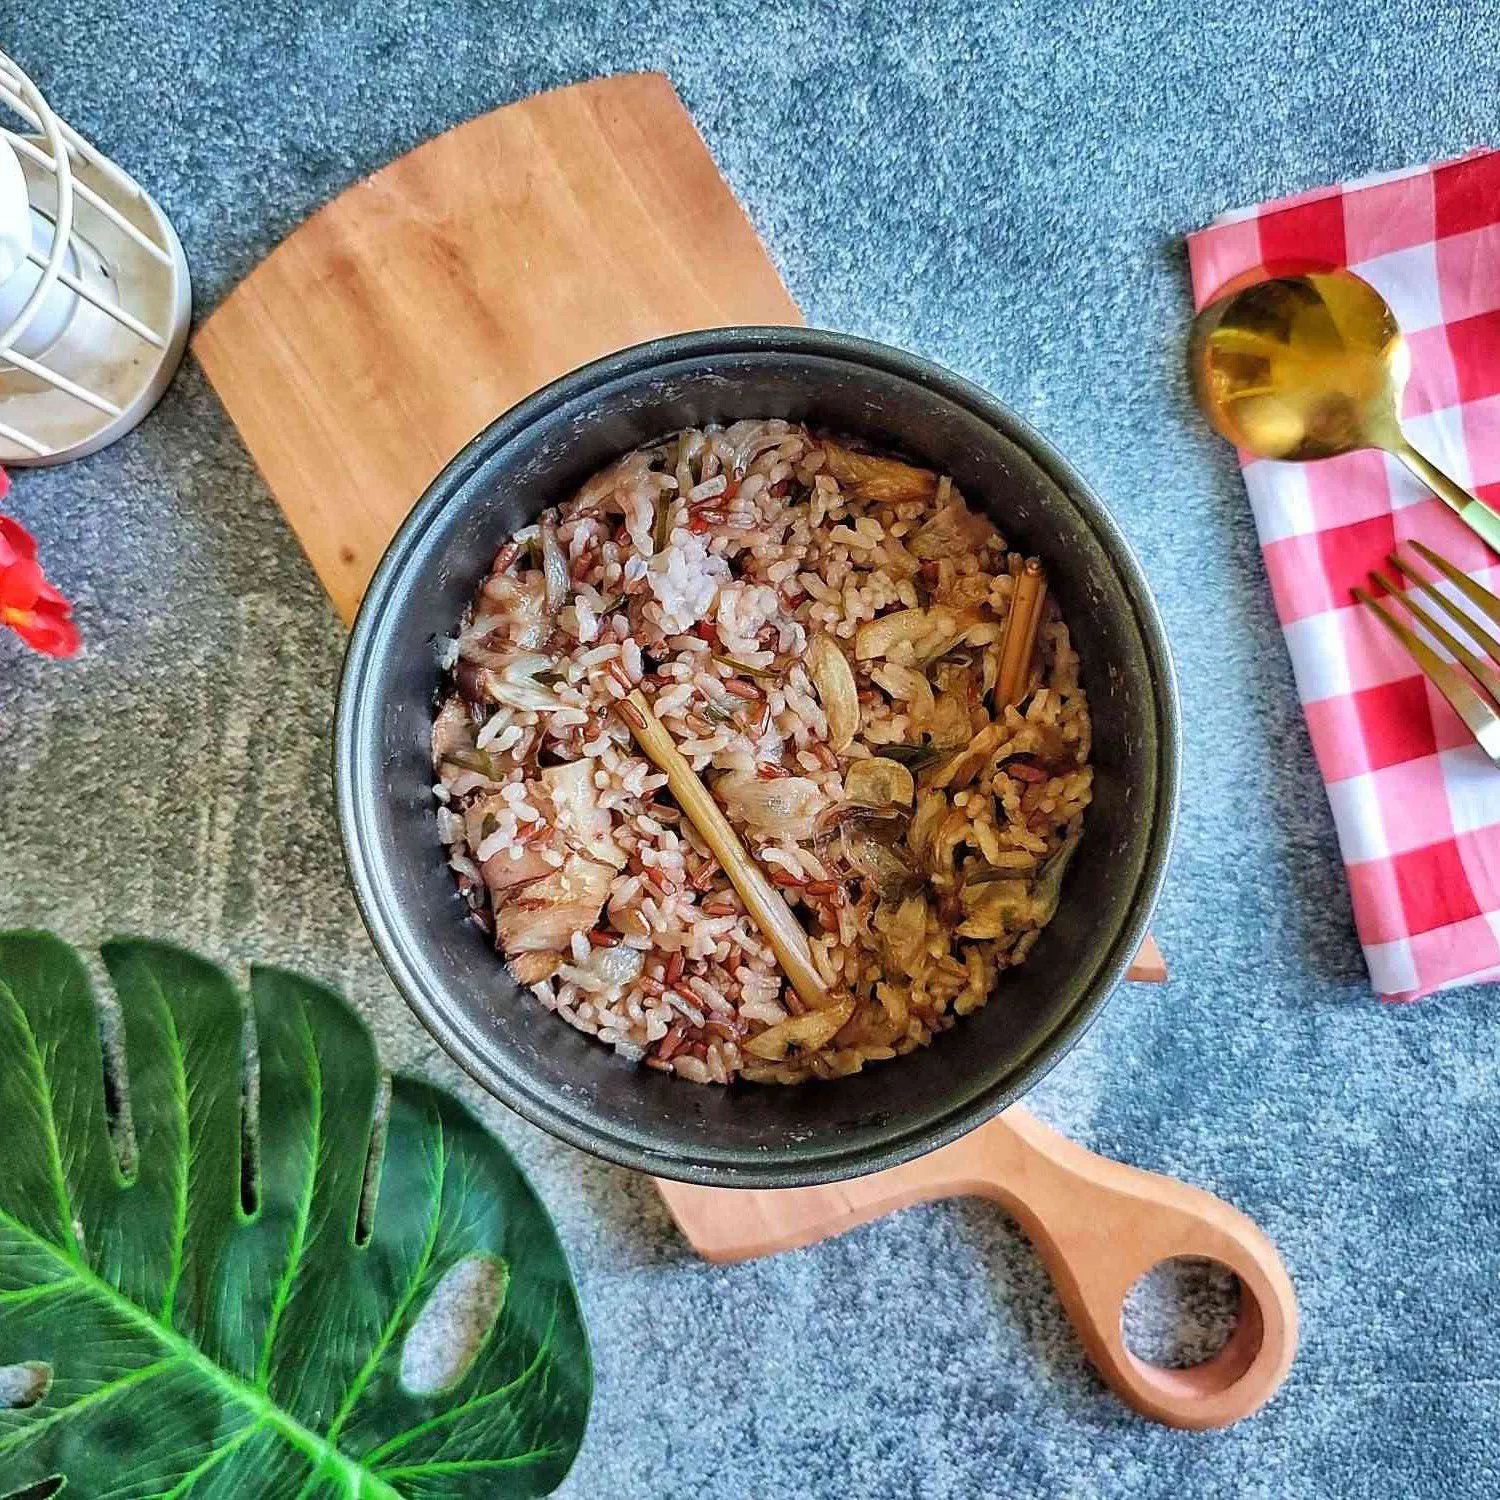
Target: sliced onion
{"points": [[995, 908], [879, 783], [787, 807], [526, 664], [950, 727], [746, 439], [877, 637], [947, 628], [464, 782], [834, 679], [525, 927], [959, 770], [483, 656], [932, 808], [605, 969], [533, 630], [881, 480], [867, 852], [483, 626], [452, 731], [906, 934], [548, 912], [806, 1033], [1049, 749], [930, 633], [952, 832], [504, 875], [521, 606], [554, 569], [575, 801], [953, 531], [908, 686], [520, 694]]}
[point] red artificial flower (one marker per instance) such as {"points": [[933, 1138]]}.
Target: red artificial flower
{"points": [[28, 603]]}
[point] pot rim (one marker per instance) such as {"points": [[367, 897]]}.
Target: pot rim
{"points": [[764, 1167]]}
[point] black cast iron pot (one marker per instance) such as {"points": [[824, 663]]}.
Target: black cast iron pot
{"points": [[537, 454]]}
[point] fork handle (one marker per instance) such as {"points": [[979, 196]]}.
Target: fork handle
{"points": [[1471, 510]]}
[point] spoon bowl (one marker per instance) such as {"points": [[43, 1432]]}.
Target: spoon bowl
{"points": [[1300, 368]]}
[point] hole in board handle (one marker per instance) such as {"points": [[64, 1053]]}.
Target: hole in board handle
{"points": [[1181, 1312]]}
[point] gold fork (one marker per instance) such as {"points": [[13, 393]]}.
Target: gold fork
{"points": [[1480, 710]]}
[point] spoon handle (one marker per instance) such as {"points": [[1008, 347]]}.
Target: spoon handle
{"points": [[1471, 510]]}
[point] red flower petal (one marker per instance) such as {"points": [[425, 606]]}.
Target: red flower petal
{"points": [[46, 594], [15, 540], [30, 605], [21, 585], [54, 635]]}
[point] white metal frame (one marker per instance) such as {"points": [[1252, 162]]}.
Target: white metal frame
{"points": [[64, 149]]}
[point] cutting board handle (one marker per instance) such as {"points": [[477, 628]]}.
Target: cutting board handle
{"points": [[1099, 1226]]}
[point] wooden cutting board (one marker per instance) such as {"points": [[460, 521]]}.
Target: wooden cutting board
{"points": [[413, 309], [398, 321]]}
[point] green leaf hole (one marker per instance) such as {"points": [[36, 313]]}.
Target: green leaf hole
{"points": [[43, 1491], [24, 1385], [452, 1327]]}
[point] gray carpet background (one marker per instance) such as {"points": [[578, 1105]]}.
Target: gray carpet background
{"points": [[1003, 187]]}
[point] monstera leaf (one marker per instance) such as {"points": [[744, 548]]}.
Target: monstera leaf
{"points": [[211, 1270]]}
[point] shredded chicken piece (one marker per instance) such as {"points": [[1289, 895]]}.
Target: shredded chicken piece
{"points": [[575, 801], [878, 479], [549, 911]]}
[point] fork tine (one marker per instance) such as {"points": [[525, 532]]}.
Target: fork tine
{"points": [[1482, 722], [1476, 593], [1469, 624], [1481, 671]]}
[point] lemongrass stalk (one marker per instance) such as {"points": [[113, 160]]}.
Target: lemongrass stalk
{"points": [[763, 901], [1018, 644]]}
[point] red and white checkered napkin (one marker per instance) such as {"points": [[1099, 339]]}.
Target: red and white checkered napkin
{"points": [[1416, 804]]}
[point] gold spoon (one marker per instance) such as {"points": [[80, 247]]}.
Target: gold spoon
{"points": [[1307, 367]]}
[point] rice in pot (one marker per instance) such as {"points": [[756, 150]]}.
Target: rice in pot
{"points": [[821, 631]]}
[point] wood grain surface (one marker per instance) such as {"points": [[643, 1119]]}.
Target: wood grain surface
{"points": [[403, 317], [393, 325]]}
